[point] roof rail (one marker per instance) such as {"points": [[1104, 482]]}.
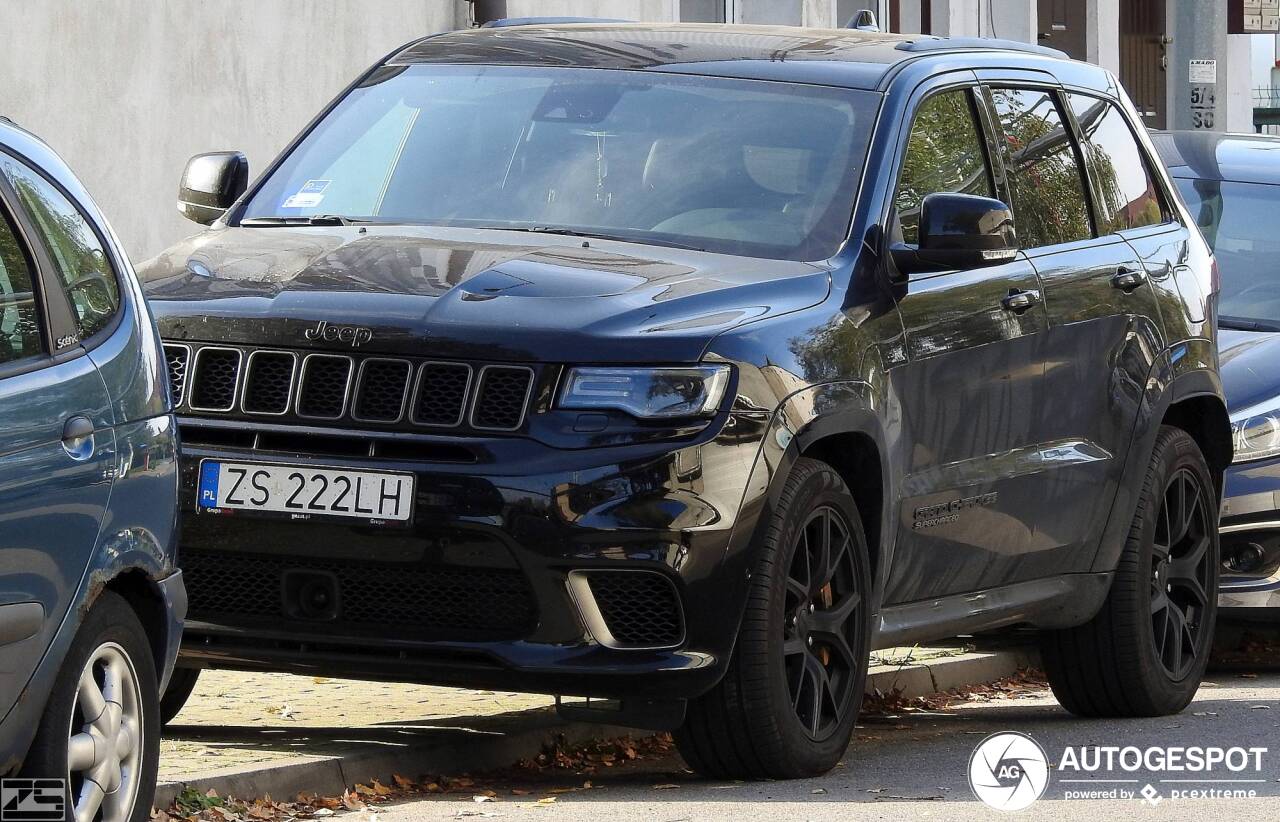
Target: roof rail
{"points": [[930, 43], [509, 22]]}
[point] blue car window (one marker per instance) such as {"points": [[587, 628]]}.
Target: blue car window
{"points": [[78, 255], [20, 335]]}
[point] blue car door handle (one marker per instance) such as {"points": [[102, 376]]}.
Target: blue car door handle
{"points": [[77, 437]]}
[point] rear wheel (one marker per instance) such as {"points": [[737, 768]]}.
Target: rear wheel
{"points": [[99, 731], [786, 706], [175, 696], [1145, 652]]}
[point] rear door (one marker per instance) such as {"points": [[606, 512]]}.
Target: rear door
{"points": [[56, 440], [1104, 327]]}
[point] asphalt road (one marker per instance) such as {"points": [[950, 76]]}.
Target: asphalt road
{"points": [[915, 766]]}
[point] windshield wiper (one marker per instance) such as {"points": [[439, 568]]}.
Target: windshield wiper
{"points": [[314, 219], [591, 235], [1244, 324]]}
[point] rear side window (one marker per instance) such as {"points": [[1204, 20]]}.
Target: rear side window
{"points": [[1127, 195], [1049, 203], [78, 256], [19, 312], [944, 154]]}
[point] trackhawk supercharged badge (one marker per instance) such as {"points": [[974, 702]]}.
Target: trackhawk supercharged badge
{"points": [[355, 335], [944, 513]]}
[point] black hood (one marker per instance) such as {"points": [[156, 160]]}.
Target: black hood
{"points": [[467, 294], [1250, 363]]}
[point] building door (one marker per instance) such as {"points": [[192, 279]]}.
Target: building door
{"points": [[1062, 25], [1143, 63]]}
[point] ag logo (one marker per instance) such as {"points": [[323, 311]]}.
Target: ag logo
{"points": [[1008, 771], [32, 800]]}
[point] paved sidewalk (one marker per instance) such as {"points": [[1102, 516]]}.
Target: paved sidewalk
{"points": [[251, 734]]}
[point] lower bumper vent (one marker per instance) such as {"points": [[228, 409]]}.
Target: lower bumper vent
{"points": [[422, 601], [629, 609]]}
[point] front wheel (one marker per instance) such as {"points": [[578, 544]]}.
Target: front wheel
{"points": [[1145, 652], [786, 707], [100, 731]]}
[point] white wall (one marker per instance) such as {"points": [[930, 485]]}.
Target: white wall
{"points": [[127, 90], [647, 10]]}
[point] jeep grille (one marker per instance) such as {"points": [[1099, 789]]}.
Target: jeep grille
{"points": [[366, 391]]}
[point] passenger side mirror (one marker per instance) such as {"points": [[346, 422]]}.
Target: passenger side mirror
{"points": [[959, 232], [210, 184]]}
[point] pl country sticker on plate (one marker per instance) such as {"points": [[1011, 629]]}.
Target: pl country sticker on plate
{"points": [[309, 196]]}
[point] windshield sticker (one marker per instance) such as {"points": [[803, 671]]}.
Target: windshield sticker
{"points": [[309, 196]]}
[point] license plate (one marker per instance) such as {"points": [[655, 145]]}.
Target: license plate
{"points": [[302, 492]]}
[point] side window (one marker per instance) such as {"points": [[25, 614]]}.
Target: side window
{"points": [[19, 312], [78, 256], [1128, 197], [944, 153], [1049, 203]]}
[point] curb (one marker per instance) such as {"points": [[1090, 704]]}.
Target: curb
{"points": [[498, 741], [944, 673]]}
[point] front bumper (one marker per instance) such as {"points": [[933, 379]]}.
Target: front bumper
{"points": [[173, 592], [484, 589], [1250, 533]]}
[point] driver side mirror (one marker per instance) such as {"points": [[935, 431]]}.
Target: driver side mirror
{"points": [[210, 184], [959, 232]]}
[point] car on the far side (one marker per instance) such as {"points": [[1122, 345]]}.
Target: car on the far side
{"points": [[1231, 183]]}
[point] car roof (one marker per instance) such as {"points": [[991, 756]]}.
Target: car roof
{"points": [[849, 58], [1213, 155]]}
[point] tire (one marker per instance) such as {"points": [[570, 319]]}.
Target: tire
{"points": [[112, 643], [798, 636], [181, 683], [1145, 652]]}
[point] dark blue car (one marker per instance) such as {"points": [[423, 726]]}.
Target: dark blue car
{"points": [[91, 604], [1231, 183]]}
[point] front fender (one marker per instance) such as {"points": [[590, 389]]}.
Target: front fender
{"points": [[802, 419]]}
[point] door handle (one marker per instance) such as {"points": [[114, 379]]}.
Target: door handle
{"points": [[1128, 280], [1019, 301], [77, 428], [77, 437]]}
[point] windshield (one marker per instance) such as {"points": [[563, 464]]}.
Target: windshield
{"points": [[1241, 222], [745, 167]]}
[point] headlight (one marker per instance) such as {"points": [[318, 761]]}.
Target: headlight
{"points": [[648, 393], [1256, 432]]}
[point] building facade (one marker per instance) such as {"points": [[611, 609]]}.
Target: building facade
{"points": [[127, 90]]}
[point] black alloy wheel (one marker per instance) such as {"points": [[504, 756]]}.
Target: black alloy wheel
{"points": [[1181, 574], [821, 643], [1145, 651], [786, 706]]}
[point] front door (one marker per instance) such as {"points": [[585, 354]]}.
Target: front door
{"points": [[971, 387], [55, 470]]}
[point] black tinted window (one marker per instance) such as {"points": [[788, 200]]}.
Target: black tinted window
{"points": [[944, 153], [1049, 203], [1127, 196], [78, 256], [19, 312], [736, 166]]}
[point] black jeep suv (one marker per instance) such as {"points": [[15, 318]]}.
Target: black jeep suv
{"points": [[681, 366]]}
